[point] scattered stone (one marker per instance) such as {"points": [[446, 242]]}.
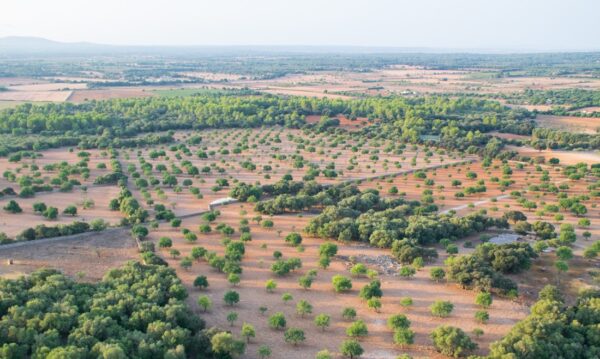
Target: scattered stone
{"points": [[384, 264]]}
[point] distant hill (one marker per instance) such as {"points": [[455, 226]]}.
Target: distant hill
{"points": [[25, 45], [38, 45]]}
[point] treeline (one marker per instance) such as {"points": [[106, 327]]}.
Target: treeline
{"points": [[546, 138], [459, 122], [137, 311], [569, 99]]}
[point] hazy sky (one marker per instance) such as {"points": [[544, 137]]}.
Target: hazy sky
{"points": [[464, 24]]}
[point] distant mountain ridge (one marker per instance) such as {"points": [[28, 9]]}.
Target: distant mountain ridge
{"points": [[23, 45]]}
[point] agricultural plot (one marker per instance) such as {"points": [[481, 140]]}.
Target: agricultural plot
{"points": [[256, 272]]}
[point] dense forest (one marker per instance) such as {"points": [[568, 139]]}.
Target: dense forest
{"points": [[555, 329], [135, 312]]}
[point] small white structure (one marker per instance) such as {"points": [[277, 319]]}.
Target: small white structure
{"points": [[221, 202]]}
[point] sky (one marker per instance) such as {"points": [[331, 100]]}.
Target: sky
{"points": [[520, 25]]}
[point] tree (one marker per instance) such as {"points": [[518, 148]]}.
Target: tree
{"points": [[224, 343], [277, 321], [477, 332], [233, 279], [201, 282], [286, 297], [407, 272], [483, 299], [437, 274], [371, 290], [294, 239], [70, 211], [231, 297], [357, 329], [264, 351], [328, 249], [248, 331], [451, 341], [351, 348], [322, 321], [481, 316], [137, 231], [294, 336], [358, 270], [398, 321], [324, 262], [303, 307], [51, 213], [205, 302], [349, 313], [232, 317], [305, 281], [270, 285], [39, 207], [198, 252], [441, 308], [561, 266], [186, 263], [341, 284], [403, 336], [165, 242], [564, 253], [13, 207], [374, 303]]}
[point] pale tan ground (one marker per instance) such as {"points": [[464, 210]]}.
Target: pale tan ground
{"points": [[589, 125], [565, 157], [88, 258], [35, 96], [591, 109]]}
